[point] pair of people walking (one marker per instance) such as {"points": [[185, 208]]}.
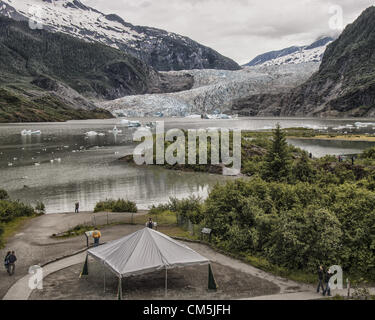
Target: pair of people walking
{"points": [[324, 278], [10, 262]]}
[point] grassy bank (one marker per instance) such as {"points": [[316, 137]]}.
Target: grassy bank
{"points": [[12, 228], [348, 137]]}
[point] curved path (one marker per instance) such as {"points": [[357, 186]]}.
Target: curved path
{"points": [[21, 290], [34, 246], [288, 289]]}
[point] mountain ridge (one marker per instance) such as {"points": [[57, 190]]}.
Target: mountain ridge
{"points": [[343, 86], [293, 54], [64, 76], [158, 48]]}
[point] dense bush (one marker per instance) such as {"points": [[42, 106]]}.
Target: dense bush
{"points": [[295, 213], [190, 208], [368, 154], [119, 205], [40, 208], [9, 210], [296, 226], [3, 195]]}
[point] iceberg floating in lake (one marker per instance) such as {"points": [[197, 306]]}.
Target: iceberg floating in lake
{"points": [[194, 116], [30, 132], [26, 132], [91, 134], [129, 123], [115, 130]]}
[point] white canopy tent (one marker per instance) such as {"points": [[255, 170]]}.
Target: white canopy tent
{"points": [[143, 252]]}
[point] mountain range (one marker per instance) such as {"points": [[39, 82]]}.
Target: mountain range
{"points": [[47, 76], [343, 86], [160, 49], [85, 64]]}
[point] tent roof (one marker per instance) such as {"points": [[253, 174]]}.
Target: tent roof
{"points": [[145, 251]]}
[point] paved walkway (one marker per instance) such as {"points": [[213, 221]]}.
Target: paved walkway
{"points": [[34, 246], [21, 290], [37, 248], [289, 290]]}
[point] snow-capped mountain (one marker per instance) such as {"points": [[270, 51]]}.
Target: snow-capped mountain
{"points": [[293, 55], [163, 50]]}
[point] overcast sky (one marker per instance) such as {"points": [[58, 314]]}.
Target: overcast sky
{"points": [[240, 29]]}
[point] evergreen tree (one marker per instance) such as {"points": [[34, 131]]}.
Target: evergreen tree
{"points": [[277, 165], [303, 170]]}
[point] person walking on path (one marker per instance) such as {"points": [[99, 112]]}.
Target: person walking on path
{"points": [[327, 278], [320, 279], [6, 261], [12, 266], [150, 223], [96, 235], [77, 207]]}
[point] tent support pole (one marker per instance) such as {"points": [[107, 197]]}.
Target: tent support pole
{"points": [[104, 277], [166, 281], [120, 287]]}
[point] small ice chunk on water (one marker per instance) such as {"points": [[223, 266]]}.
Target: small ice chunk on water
{"points": [[91, 133]]}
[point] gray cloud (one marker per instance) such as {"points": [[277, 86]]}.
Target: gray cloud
{"points": [[239, 29]]}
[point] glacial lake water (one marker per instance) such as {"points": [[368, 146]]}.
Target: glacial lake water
{"points": [[86, 168]]}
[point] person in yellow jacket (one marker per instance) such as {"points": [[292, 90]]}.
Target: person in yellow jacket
{"points": [[96, 235]]}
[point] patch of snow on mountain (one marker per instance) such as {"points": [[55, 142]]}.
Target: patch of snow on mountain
{"points": [[71, 16], [302, 56]]}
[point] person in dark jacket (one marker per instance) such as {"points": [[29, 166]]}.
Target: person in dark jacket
{"points": [[12, 260], [6, 261], [320, 279], [150, 223], [327, 278]]}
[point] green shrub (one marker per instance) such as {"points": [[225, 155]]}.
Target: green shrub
{"points": [[3, 195], [119, 205], [9, 210], [297, 227], [368, 153], [40, 208]]}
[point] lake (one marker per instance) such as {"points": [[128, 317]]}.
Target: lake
{"points": [[63, 165]]}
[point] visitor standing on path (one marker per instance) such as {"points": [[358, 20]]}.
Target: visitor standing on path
{"points": [[6, 261], [12, 263], [96, 235], [327, 278], [320, 279], [77, 207], [150, 223]]}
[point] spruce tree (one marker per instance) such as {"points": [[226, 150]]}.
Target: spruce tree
{"points": [[303, 170], [277, 166]]}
